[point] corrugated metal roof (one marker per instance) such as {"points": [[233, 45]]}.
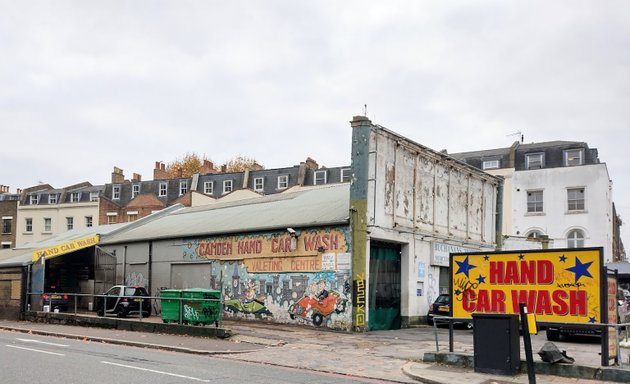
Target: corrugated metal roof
{"points": [[307, 207]]}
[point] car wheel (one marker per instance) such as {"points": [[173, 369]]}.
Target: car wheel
{"points": [[146, 314], [99, 312], [429, 321], [318, 319], [120, 311], [553, 335]]}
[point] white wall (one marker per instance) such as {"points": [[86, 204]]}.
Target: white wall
{"points": [[57, 213]]}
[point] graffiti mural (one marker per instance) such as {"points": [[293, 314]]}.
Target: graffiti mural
{"points": [[289, 278]]}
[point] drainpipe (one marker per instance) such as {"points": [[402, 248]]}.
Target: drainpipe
{"points": [[149, 266], [124, 265], [498, 226]]}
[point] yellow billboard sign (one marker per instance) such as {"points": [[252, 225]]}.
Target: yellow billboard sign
{"points": [[62, 249], [562, 285]]}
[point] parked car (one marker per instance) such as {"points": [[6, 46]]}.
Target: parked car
{"points": [[124, 300], [442, 307], [55, 298]]}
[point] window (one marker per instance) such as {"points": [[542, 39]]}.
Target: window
{"points": [[534, 160], [135, 190], [573, 157], [575, 199], [208, 187], [346, 173], [163, 189], [111, 217], [534, 234], [575, 239], [69, 223], [116, 192], [535, 201], [93, 196], [6, 225], [283, 182], [132, 216], [490, 164], [6, 244], [227, 186], [28, 227], [183, 187], [259, 184], [319, 177], [33, 199], [52, 199], [47, 224], [88, 221], [75, 197]]}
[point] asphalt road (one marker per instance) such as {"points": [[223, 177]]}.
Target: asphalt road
{"points": [[39, 359]]}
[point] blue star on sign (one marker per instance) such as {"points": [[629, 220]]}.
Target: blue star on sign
{"points": [[457, 291], [486, 257], [591, 320], [481, 279], [464, 267], [563, 258], [521, 256], [580, 269]]}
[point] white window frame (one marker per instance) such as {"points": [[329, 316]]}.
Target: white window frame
{"points": [[533, 159], [575, 238], [69, 223], [490, 164], [163, 189], [536, 203], [228, 186], [573, 203], [93, 196], [52, 198], [116, 192], [183, 187], [283, 181], [28, 224], [135, 190], [47, 224], [345, 175], [573, 157], [208, 187], [33, 199], [317, 175], [89, 222], [259, 184], [75, 197]]}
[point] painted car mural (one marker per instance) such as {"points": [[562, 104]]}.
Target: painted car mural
{"points": [[316, 309]]}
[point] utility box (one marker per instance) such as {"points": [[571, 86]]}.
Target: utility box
{"points": [[496, 344]]}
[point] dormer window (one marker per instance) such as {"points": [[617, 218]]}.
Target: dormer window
{"points": [[75, 197], [52, 199], [346, 174], [115, 192], [33, 199], [490, 164], [534, 160], [135, 190], [320, 177], [573, 157], [183, 187]]}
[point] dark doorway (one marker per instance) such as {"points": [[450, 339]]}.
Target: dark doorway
{"points": [[384, 286]]}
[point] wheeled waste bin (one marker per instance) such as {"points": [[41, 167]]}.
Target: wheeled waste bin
{"points": [[170, 308], [203, 306]]}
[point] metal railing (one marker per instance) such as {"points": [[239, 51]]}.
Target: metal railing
{"points": [[37, 302], [621, 332]]}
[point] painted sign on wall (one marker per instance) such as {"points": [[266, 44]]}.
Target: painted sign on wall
{"points": [[562, 285]]}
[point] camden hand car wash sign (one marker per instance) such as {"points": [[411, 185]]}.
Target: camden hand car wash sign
{"points": [[563, 285]]}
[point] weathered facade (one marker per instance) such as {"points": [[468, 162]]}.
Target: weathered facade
{"points": [[410, 207]]}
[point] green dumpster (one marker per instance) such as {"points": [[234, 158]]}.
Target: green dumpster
{"points": [[170, 308], [203, 306]]}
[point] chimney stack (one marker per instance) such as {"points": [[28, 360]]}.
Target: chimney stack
{"points": [[117, 176], [19, 191], [207, 167], [224, 168], [159, 173], [311, 164], [136, 177]]}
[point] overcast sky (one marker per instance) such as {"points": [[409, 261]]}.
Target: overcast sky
{"points": [[89, 85]]}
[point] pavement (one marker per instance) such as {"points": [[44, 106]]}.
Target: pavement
{"points": [[405, 356]]}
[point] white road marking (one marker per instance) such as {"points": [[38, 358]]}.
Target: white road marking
{"points": [[154, 371], [42, 342], [35, 350]]}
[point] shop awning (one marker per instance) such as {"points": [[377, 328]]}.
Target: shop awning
{"points": [[64, 248]]}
